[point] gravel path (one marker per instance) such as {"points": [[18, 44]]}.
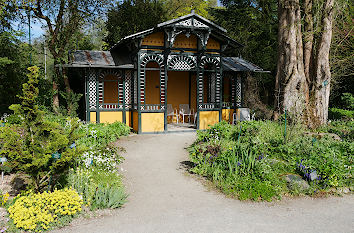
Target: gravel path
{"points": [[162, 198]]}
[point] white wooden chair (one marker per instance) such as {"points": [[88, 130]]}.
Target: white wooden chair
{"points": [[195, 118], [171, 112], [243, 115], [234, 118], [184, 110]]}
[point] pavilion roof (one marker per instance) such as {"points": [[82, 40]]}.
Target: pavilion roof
{"points": [[104, 59]]}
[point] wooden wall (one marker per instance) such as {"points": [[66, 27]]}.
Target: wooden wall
{"points": [[181, 41]]}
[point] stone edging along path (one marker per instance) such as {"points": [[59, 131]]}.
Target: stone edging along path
{"points": [[162, 198]]}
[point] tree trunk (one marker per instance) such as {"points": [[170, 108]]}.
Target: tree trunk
{"points": [[291, 85], [308, 39], [322, 73], [55, 97], [60, 74], [69, 94]]}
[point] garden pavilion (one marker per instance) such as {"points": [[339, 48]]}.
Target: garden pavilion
{"points": [[183, 67]]}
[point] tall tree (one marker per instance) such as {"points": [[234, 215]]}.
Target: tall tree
{"points": [[290, 85], [13, 60], [62, 19], [254, 24], [303, 70], [132, 16], [177, 8]]}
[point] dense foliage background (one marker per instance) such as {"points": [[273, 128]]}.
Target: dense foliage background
{"points": [[252, 23]]}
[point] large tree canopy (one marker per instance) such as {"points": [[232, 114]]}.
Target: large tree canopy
{"points": [[132, 16], [253, 24], [177, 8], [62, 19]]}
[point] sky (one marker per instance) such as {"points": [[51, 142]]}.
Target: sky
{"points": [[36, 29]]}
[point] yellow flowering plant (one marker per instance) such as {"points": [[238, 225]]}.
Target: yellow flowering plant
{"points": [[4, 198], [38, 212]]}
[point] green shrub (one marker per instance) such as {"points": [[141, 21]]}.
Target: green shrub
{"points": [[98, 135], [348, 99], [100, 152], [339, 114], [344, 129], [30, 146], [99, 188], [237, 170]]}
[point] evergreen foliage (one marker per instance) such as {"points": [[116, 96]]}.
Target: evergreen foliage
{"points": [[12, 68], [29, 146]]}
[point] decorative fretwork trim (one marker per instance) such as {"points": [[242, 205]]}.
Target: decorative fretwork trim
{"points": [[213, 60], [181, 63], [159, 59], [192, 23], [238, 91], [92, 92], [186, 23], [104, 73]]}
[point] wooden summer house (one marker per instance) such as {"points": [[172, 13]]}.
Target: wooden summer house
{"points": [[146, 77]]}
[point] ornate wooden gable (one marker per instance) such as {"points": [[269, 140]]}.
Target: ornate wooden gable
{"points": [[191, 31]]}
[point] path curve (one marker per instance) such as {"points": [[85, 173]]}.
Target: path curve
{"points": [[162, 198]]}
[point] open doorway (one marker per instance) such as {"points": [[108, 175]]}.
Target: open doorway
{"points": [[181, 100]]}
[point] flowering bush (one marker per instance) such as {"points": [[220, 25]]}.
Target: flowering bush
{"points": [[36, 212], [106, 158], [99, 150]]}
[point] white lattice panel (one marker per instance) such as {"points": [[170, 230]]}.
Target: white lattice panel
{"points": [[135, 92], [128, 93], [200, 88], [217, 87], [92, 90], [238, 91]]}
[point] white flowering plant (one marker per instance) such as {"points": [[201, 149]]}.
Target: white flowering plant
{"points": [[100, 152], [106, 158]]}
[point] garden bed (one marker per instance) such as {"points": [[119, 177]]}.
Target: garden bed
{"points": [[93, 177], [257, 160]]}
